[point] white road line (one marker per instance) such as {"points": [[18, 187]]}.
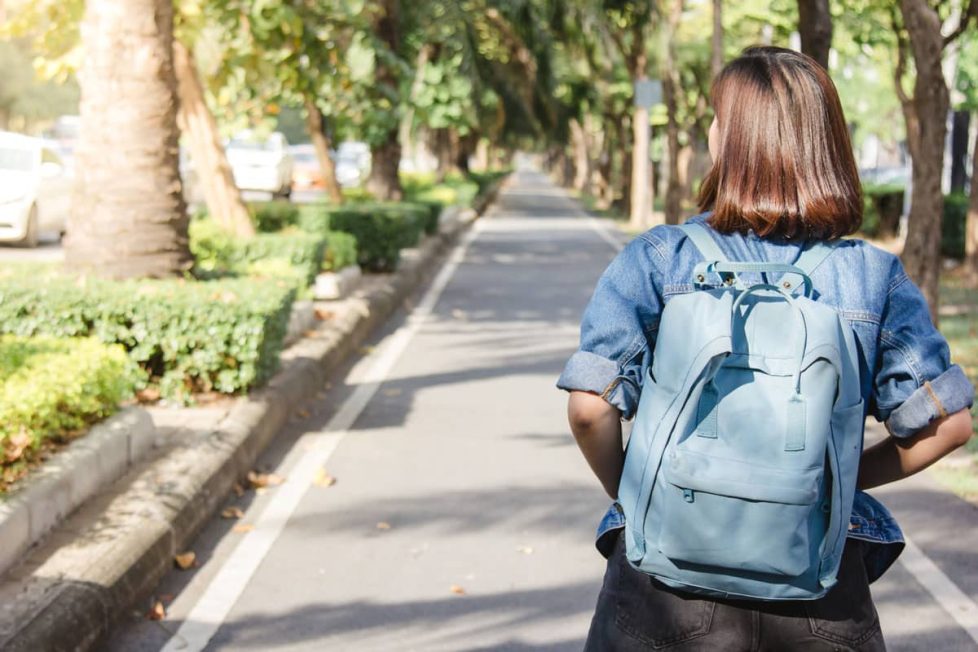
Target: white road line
{"points": [[947, 594], [231, 580]]}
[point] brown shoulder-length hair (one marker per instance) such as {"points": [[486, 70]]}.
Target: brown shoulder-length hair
{"points": [[784, 165]]}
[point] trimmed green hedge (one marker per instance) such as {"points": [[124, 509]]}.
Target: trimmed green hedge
{"points": [[53, 387], [273, 216], [341, 251], [293, 255], [381, 231], [188, 336]]}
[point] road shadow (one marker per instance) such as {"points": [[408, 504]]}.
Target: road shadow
{"points": [[451, 623]]}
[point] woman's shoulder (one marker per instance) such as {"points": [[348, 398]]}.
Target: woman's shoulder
{"points": [[857, 257]]}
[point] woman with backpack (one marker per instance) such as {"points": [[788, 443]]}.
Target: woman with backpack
{"points": [[749, 345]]}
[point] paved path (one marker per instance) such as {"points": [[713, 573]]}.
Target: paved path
{"points": [[463, 513]]}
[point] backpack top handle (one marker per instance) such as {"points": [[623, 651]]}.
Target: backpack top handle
{"points": [[793, 275]]}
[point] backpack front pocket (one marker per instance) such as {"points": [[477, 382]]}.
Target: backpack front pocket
{"points": [[735, 515]]}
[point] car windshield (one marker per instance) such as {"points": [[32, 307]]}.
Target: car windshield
{"points": [[16, 159]]}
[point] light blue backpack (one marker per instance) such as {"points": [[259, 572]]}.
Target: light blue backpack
{"points": [[741, 466]]}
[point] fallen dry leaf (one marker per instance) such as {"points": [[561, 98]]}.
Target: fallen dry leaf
{"points": [[157, 611], [322, 314], [383, 525], [186, 560], [241, 528], [323, 479], [238, 489], [232, 512], [257, 480], [456, 589], [15, 446], [302, 413], [260, 491], [367, 350]]}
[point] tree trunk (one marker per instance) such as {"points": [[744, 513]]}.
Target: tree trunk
{"points": [[922, 251], [321, 143], [128, 216], [582, 158], [224, 202], [670, 92], [640, 197], [464, 148], [384, 182], [440, 142], [716, 45], [971, 226], [623, 180], [959, 150], [406, 127], [815, 28]]}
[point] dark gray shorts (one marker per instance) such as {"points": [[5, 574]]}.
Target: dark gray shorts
{"points": [[635, 612]]}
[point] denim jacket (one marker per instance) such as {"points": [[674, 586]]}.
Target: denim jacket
{"points": [[906, 375]]}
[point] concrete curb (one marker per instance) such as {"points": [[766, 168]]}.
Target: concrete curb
{"points": [[72, 476], [119, 547]]}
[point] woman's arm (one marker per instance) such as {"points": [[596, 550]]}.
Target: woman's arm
{"points": [[894, 459], [596, 425]]}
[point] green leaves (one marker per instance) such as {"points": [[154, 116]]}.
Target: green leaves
{"points": [[187, 336], [54, 387]]}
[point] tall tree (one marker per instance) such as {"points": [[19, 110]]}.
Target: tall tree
{"points": [[128, 216], [670, 91], [213, 171], [926, 116], [385, 151], [716, 43], [815, 28]]}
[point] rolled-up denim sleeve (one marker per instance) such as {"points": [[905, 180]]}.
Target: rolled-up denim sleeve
{"points": [[618, 329], [916, 382]]}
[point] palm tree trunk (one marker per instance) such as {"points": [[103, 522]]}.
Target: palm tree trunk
{"points": [[224, 202], [320, 142], [128, 216]]}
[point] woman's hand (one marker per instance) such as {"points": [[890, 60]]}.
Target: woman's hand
{"points": [[596, 425], [894, 459]]}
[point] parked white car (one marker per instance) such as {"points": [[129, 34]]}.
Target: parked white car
{"points": [[352, 163], [262, 164], [35, 189]]}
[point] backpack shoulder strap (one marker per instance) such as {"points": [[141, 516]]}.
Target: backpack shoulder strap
{"points": [[811, 257], [703, 241]]}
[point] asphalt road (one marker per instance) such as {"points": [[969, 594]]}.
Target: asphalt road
{"points": [[462, 515]]}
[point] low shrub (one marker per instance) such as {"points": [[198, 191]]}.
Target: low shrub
{"points": [[188, 336], [341, 251], [381, 231], [50, 388], [273, 216], [953, 225], [291, 255]]}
